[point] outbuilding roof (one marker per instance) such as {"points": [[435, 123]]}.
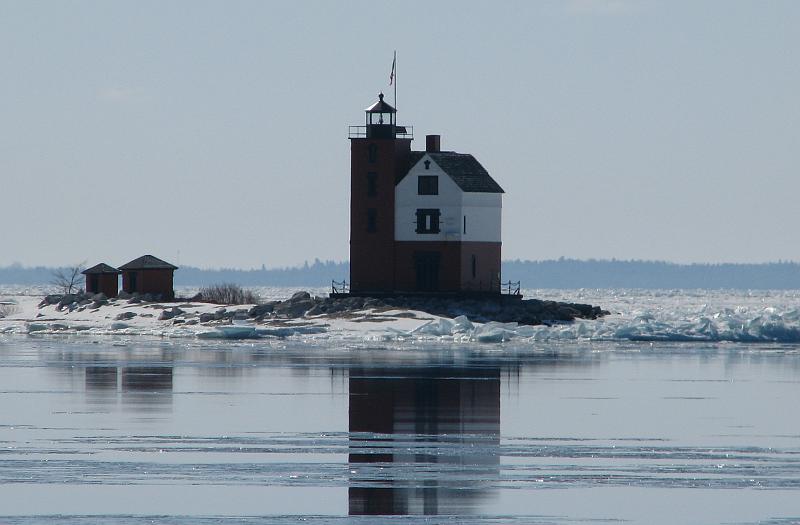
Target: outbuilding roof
{"points": [[463, 168], [148, 262], [101, 268]]}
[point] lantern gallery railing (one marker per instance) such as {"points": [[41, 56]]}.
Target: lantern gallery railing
{"points": [[400, 132], [511, 288], [339, 287]]}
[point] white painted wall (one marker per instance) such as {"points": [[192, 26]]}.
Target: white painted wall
{"points": [[483, 210], [484, 216]]}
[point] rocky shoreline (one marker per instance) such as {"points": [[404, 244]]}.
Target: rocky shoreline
{"points": [[303, 305]]}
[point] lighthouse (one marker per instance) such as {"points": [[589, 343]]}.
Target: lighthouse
{"points": [[426, 222]]}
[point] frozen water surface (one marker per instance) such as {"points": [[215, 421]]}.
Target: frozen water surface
{"points": [[308, 429]]}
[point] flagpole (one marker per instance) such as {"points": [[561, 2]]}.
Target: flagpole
{"points": [[395, 80]]}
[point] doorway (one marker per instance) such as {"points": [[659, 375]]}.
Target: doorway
{"points": [[427, 270]]}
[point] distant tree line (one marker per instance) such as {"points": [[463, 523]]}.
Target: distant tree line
{"points": [[559, 273], [574, 273]]}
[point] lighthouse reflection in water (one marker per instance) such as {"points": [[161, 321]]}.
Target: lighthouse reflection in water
{"points": [[423, 441]]}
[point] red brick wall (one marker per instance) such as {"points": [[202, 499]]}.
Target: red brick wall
{"points": [[455, 265], [155, 281], [487, 259], [372, 253], [449, 265], [108, 284]]}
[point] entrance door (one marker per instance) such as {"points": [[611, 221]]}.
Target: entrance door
{"points": [[427, 269], [132, 284]]}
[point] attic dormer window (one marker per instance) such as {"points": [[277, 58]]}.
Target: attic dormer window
{"points": [[427, 164], [428, 185]]}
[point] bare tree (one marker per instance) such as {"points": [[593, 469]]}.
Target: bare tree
{"points": [[67, 279]]}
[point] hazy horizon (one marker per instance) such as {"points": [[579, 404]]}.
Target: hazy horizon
{"points": [[215, 134], [311, 262]]}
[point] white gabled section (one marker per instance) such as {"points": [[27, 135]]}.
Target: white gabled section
{"points": [[484, 216], [483, 211]]}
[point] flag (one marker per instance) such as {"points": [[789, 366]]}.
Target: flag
{"points": [[394, 64]]}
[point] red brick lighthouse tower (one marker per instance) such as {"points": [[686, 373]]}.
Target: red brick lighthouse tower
{"points": [[379, 154]]}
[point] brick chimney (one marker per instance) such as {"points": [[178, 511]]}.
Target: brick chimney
{"points": [[433, 143]]}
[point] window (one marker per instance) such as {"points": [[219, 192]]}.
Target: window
{"points": [[427, 164], [474, 265], [465, 224], [372, 220], [427, 221], [372, 184], [427, 185], [372, 153]]}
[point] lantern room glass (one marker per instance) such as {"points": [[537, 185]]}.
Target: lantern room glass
{"points": [[380, 118]]}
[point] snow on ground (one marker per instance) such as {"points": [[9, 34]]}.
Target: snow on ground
{"points": [[636, 315], [25, 316]]}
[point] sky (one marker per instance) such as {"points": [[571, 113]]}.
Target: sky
{"points": [[214, 134]]}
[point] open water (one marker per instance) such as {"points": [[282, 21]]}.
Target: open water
{"points": [[135, 430]]}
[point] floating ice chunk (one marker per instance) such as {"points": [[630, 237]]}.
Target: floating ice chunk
{"points": [[286, 331], [492, 335], [230, 332]]}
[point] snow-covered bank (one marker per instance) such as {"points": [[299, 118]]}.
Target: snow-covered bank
{"points": [[636, 315]]}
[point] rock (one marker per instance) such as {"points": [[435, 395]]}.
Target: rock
{"points": [[148, 298], [124, 316], [123, 295], [316, 310], [299, 296], [135, 299], [260, 310], [293, 309], [98, 304], [373, 303], [50, 299], [169, 314], [99, 297], [207, 317], [66, 299], [240, 315]]}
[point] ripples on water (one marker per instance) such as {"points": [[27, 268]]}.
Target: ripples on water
{"points": [[184, 432]]}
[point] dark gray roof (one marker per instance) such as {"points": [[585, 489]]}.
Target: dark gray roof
{"points": [[380, 107], [101, 268], [463, 168], [148, 262]]}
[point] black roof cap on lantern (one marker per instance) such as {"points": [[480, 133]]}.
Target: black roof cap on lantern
{"points": [[380, 106], [148, 262], [101, 268]]}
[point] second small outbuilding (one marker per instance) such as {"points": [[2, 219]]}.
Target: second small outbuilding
{"points": [[148, 274]]}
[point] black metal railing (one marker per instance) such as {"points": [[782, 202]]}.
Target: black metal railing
{"points": [[340, 286], [400, 132], [511, 288]]}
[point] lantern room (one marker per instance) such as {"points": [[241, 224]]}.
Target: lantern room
{"points": [[380, 120]]}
